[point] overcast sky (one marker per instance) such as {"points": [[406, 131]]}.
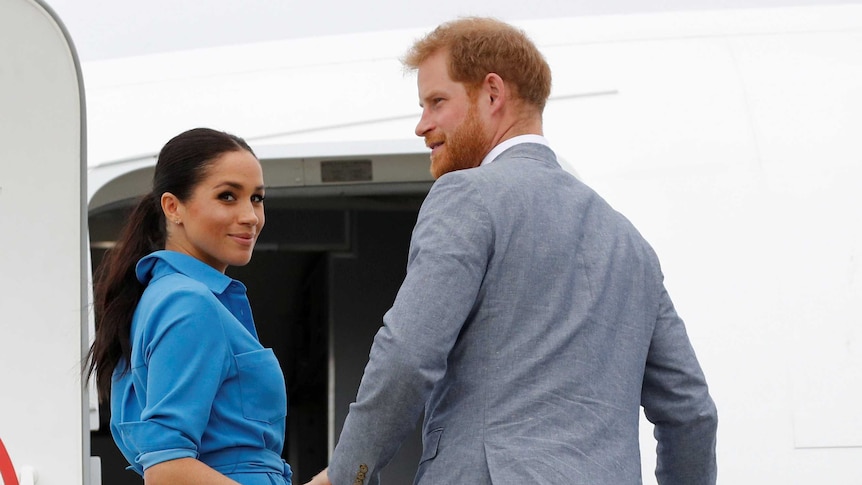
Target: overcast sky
{"points": [[104, 29]]}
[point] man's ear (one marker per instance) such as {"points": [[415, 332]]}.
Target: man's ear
{"points": [[496, 91]]}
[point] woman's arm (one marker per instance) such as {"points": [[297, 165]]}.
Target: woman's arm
{"points": [[184, 471]]}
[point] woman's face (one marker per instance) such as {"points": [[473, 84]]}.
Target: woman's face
{"points": [[222, 219]]}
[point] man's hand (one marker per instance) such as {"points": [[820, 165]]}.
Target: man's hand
{"points": [[321, 478]]}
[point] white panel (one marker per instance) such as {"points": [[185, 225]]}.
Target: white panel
{"points": [[655, 115], [42, 303], [807, 100]]}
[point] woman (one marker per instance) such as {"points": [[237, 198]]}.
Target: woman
{"points": [[195, 398]]}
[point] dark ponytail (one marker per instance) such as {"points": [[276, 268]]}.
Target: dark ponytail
{"points": [[116, 289], [182, 164]]}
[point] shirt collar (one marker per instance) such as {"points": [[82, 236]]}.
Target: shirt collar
{"points": [[149, 268], [516, 140]]}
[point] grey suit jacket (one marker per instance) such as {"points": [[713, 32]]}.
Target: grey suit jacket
{"points": [[532, 325]]}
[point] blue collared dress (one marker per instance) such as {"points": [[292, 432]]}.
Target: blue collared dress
{"points": [[201, 385]]}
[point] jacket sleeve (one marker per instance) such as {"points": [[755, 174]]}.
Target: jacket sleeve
{"points": [[449, 252], [676, 400]]}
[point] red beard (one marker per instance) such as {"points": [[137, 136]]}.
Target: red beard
{"points": [[464, 148]]}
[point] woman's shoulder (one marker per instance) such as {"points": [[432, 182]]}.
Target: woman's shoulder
{"points": [[176, 304], [177, 284]]}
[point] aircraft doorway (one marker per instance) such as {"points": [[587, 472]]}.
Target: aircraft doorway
{"points": [[325, 270]]}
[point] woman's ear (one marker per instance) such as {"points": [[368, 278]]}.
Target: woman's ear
{"points": [[171, 207]]}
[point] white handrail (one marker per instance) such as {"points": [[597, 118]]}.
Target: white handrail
{"points": [[27, 476]]}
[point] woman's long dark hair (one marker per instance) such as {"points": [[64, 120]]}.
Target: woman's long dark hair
{"points": [[182, 164]]}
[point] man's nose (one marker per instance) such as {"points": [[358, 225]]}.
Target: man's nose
{"points": [[424, 125]]}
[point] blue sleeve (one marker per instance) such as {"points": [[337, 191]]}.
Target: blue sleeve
{"points": [[185, 358]]}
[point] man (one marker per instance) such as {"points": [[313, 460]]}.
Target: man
{"points": [[533, 321]]}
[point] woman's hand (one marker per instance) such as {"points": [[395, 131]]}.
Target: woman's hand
{"points": [[321, 478]]}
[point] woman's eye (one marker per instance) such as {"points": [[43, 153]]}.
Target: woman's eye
{"points": [[226, 196], [257, 198]]}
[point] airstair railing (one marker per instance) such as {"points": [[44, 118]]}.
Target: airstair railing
{"points": [[7, 471]]}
